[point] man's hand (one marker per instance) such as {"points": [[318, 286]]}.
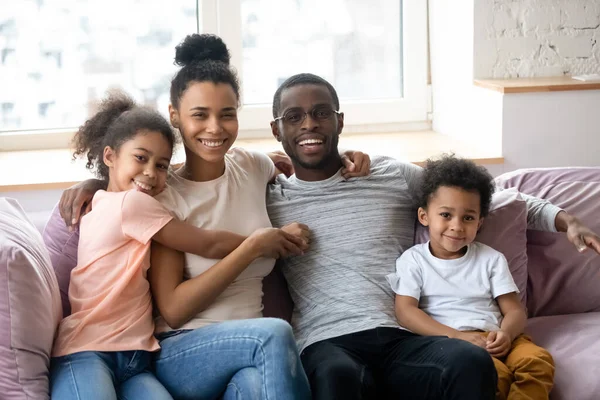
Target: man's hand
{"points": [[355, 163], [498, 343], [472, 337], [76, 201], [580, 235]]}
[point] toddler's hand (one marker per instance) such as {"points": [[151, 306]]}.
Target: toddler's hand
{"points": [[498, 343]]}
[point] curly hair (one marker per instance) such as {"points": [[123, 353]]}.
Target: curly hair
{"points": [[456, 172], [202, 58], [118, 119]]}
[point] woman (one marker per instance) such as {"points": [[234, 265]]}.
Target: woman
{"points": [[214, 341]]}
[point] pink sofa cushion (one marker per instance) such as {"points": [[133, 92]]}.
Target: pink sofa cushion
{"points": [[561, 280], [62, 246], [504, 229], [573, 342], [29, 306]]}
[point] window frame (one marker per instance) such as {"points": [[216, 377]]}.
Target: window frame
{"points": [[222, 17]]}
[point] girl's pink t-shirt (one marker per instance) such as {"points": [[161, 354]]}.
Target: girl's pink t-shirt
{"points": [[109, 293]]}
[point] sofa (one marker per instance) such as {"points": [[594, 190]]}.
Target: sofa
{"points": [[559, 286]]}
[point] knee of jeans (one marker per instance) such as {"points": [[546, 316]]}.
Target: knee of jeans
{"points": [[278, 330]]}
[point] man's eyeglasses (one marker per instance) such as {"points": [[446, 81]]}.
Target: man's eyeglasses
{"points": [[296, 116]]}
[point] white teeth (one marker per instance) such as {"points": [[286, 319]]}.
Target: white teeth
{"points": [[310, 141], [212, 143], [142, 185]]}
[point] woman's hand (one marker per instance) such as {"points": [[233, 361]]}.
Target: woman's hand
{"points": [[274, 243], [76, 201], [355, 163], [282, 162]]}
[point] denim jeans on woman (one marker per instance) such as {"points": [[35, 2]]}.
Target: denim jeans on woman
{"points": [[243, 359], [91, 375]]}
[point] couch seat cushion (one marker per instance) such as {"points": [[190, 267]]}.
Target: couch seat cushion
{"points": [[574, 342]]}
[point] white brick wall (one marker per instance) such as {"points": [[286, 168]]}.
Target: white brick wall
{"points": [[528, 38]]}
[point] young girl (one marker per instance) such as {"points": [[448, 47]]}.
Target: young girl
{"points": [[103, 349]]}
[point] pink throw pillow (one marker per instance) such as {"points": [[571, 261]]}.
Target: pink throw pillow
{"points": [[29, 306]]}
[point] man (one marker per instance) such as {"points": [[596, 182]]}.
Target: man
{"points": [[351, 345]]}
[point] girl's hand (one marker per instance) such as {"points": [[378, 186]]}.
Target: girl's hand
{"points": [[356, 163], [274, 243], [76, 201], [498, 343], [298, 230]]}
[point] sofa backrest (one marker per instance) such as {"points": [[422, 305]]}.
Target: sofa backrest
{"points": [[561, 280]]}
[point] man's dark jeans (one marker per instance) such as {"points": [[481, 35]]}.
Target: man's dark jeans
{"points": [[390, 363]]}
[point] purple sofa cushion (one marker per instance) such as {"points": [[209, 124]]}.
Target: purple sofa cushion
{"points": [[29, 306], [62, 246], [561, 280], [574, 343], [504, 229]]}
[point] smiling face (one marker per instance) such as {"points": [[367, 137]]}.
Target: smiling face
{"points": [[140, 163], [207, 120], [453, 216], [312, 143]]}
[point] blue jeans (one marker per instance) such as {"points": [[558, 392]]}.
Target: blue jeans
{"points": [[243, 359], [90, 375]]}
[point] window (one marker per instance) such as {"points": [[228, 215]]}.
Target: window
{"points": [[345, 42], [59, 57]]}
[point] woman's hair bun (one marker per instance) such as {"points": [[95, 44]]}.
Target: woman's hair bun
{"points": [[201, 47]]}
